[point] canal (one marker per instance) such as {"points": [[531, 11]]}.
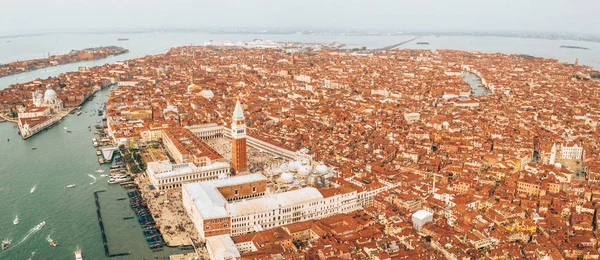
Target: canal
{"points": [[60, 159], [477, 88]]}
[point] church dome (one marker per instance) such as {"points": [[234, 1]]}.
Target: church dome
{"points": [[322, 169], [287, 177], [293, 166], [304, 170], [50, 94]]}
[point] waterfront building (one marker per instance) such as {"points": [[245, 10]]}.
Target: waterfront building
{"points": [[42, 114], [165, 175], [238, 135], [213, 213]]}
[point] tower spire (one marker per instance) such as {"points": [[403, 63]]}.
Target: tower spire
{"points": [[238, 140]]}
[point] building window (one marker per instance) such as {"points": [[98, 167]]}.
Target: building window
{"points": [[235, 192], [207, 227], [253, 189], [225, 225]]}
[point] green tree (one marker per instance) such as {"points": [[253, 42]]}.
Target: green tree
{"points": [[128, 158], [135, 168]]}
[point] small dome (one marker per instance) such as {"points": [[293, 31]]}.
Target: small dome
{"points": [[293, 166], [287, 177], [304, 170], [322, 169]]}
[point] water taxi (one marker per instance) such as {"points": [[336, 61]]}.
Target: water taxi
{"points": [[78, 255], [70, 185]]}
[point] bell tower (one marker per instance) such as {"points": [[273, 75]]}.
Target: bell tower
{"points": [[238, 140]]}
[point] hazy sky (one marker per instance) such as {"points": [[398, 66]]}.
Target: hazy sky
{"points": [[580, 16]]}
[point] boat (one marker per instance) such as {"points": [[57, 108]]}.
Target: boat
{"points": [[103, 175], [5, 244], [69, 131], [78, 255], [41, 225], [423, 43], [33, 189], [65, 128], [118, 180], [79, 113], [70, 185], [16, 220], [54, 243], [34, 148], [123, 39]]}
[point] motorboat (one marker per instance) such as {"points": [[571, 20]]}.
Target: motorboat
{"points": [[16, 220], [33, 189], [5, 244], [70, 185], [78, 255], [54, 243], [41, 225]]}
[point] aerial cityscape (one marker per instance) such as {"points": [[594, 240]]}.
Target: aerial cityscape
{"points": [[285, 143]]}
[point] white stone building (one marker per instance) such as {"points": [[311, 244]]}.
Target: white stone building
{"points": [[165, 175]]}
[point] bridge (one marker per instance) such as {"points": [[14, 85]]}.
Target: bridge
{"points": [[386, 48], [108, 153]]}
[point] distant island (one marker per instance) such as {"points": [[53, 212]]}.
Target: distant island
{"points": [[574, 47], [54, 60], [123, 39]]}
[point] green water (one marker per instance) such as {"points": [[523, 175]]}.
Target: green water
{"points": [[61, 159]]}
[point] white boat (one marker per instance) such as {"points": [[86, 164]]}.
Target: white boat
{"points": [[65, 128], [103, 175], [101, 170], [78, 255], [118, 180], [33, 189], [70, 185], [41, 225], [16, 221]]}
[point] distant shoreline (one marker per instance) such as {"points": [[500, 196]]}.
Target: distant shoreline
{"points": [[530, 35], [88, 54]]}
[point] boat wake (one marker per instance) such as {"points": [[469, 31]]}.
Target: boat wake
{"points": [[30, 233], [48, 238], [32, 254], [93, 177]]}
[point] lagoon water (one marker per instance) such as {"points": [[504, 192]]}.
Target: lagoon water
{"points": [[63, 158]]}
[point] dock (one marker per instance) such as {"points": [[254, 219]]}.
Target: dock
{"points": [[151, 233], [101, 224]]}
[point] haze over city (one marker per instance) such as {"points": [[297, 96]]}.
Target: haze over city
{"points": [[300, 130], [22, 16]]}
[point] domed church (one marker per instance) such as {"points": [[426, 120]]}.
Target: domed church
{"points": [[49, 99]]}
